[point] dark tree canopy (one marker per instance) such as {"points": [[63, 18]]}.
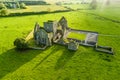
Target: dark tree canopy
{"points": [[23, 6], [21, 44], [4, 12]]}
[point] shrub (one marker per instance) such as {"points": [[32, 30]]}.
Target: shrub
{"points": [[9, 5], [23, 6], [4, 12], [18, 5], [21, 44], [2, 6]]}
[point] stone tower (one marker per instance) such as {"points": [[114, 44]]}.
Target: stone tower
{"points": [[50, 26], [63, 24], [36, 28]]}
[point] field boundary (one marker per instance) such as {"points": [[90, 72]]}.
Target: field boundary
{"points": [[102, 17], [34, 13]]}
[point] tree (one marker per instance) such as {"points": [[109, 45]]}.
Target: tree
{"points": [[21, 44], [23, 6], [18, 5], [10, 5], [93, 4], [2, 6], [4, 12]]}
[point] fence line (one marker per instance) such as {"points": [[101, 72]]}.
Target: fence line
{"points": [[110, 35]]}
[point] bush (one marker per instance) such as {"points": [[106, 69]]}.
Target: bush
{"points": [[21, 44], [23, 6], [18, 5], [2, 6], [9, 5], [4, 12]]}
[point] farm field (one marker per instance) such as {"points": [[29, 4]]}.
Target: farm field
{"points": [[108, 11], [38, 8], [56, 62], [77, 6], [105, 11]]}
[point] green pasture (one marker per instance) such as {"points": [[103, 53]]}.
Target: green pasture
{"points": [[57, 62], [38, 8]]}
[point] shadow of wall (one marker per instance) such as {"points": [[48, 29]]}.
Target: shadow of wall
{"points": [[64, 58], [11, 60]]}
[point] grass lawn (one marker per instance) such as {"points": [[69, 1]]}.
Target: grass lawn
{"points": [[77, 36], [57, 62]]}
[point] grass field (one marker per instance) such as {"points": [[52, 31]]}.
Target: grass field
{"points": [[38, 8], [77, 6], [56, 62], [77, 36]]}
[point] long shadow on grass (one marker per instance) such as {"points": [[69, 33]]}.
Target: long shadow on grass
{"points": [[64, 58], [11, 60], [54, 50]]}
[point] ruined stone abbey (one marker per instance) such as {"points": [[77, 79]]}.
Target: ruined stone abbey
{"points": [[57, 32]]}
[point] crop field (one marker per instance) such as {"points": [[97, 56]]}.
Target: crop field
{"points": [[57, 62], [38, 8]]}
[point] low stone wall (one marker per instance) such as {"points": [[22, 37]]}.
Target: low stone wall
{"points": [[38, 48]]}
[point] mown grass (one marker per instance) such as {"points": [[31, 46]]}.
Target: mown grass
{"points": [[56, 62], [77, 36]]}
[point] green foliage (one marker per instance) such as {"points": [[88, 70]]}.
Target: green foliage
{"points": [[12, 6], [93, 4], [4, 12], [9, 6], [23, 6], [34, 2], [20, 44], [2, 6], [18, 5]]}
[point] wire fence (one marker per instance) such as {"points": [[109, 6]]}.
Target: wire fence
{"points": [[110, 35]]}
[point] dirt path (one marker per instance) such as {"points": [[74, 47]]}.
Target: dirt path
{"points": [[30, 35]]}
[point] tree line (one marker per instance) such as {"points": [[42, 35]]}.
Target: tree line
{"points": [[5, 6]]}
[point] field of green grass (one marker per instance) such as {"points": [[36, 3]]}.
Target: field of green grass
{"points": [[109, 11], [77, 6], [57, 62], [38, 8], [77, 36]]}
